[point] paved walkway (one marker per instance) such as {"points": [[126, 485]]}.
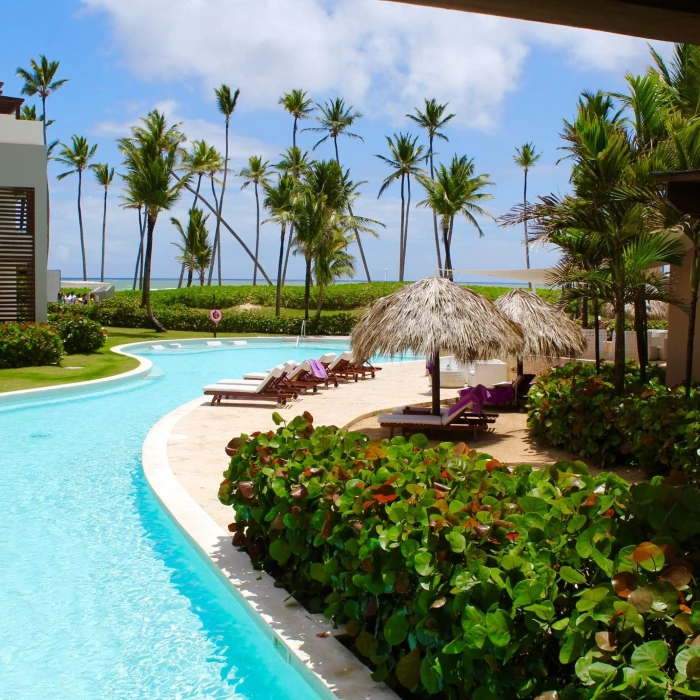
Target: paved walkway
{"points": [[196, 443]]}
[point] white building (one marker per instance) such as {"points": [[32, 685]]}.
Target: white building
{"points": [[23, 215]]}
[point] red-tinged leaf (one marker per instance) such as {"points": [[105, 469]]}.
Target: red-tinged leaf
{"points": [[641, 599], [494, 541], [677, 576], [299, 491], [327, 525], [648, 556], [385, 494], [481, 530], [239, 539], [401, 584], [357, 525], [307, 417], [439, 523], [605, 641], [460, 449], [685, 609], [375, 452], [367, 565], [624, 583], [512, 535], [281, 473], [392, 479], [336, 497], [368, 504], [372, 607], [247, 489], [233, 527], [278, 523], [441, 487], [296, 510], [591, 500], [609, 513], [445, 474], [493, 464], [442, 555], [255, 434], [310, 472]]}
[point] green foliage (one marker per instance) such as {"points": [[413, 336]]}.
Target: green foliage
{"points": [[80, 334], [29, 345], [651, 425], [457, 577]]}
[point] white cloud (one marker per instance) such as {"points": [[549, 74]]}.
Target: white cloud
{"points": [[383, 57]]}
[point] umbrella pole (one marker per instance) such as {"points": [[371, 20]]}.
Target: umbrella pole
{"points": [[436, 383], [519, 367]]}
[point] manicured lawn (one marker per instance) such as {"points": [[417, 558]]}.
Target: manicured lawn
{"points": [[81, 368]]}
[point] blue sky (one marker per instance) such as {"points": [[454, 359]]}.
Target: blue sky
{"points": [[508, 82]]}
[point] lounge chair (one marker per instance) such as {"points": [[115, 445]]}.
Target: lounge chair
{"points": [[289, 365], [286, 382], [459, 417], [268, 388], [312, 371], [343, 368], [214, 343]]}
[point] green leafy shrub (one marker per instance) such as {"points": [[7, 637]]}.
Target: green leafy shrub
{"points": [[652, 325], [459, 578], [29, 345], [651, 425], [80, 334]]}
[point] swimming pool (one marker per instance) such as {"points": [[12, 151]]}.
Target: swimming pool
{"points": [[102, 596]]}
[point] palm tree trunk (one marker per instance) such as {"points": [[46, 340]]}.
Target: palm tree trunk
{"points": [[357, 234], [146, 296], [435, 226], [405, 227], [307, 289], [290, 243], [190, 276], [584, 313], [640, 329], [80, 222], [43, 117], [139, 255], [257, 235], [596, 334], [278, 292], [619, 370], [182, 276], [294, 134], [403, 220], [446, 243], [220, 208], [48, 200], [218, 260], [692, 317], [527, 244], [104, 237], [319, 305]]}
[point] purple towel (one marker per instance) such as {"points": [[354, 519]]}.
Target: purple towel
{"points": [[473, 395], [318, 370], [499, 395]]}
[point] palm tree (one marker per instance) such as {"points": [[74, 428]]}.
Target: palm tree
{"points": [[195, 251], [332, 260], [335, 120], [104, 176], [299, 106], [455, 190], [279, 201], [40, 80], [226, 102], [526, 157], [77, 157], [404, 159], [202, 159], [256, 173], [432, 120], [150, 157]]}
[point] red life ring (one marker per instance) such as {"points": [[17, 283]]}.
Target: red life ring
{"points": [[215, 315]]}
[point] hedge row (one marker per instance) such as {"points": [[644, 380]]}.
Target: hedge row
{"points": [[339, 297], [80, 334], [29, 345], [651, 425], [456, 577]]}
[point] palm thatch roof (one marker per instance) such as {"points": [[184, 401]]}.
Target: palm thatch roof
{"points": [[436, 314], [656, 310], [548, 332]]}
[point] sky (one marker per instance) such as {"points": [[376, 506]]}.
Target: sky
{"points": [[508, 82]]}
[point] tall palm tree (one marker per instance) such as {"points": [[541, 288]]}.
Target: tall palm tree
{"points": [[226, 102], [77, 157], [432, 119], [279, 201], [150, 157], [404, 161], [299, 106], [525, 157], [195, 251], [202, 159], [104, 176], [332, 260], [256, 173], [40, 80], [335, 120], [455, 190]]}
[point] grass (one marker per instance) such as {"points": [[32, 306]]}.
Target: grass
{"points": [[103, 363]]}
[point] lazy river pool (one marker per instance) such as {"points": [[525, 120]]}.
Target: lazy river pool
{"points": [[101, 596]]}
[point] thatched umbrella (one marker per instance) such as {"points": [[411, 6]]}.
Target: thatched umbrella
{"points": [[548, 332], [656, 310], [431, 315]]}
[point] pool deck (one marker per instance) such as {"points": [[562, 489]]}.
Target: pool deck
{"points": [[183, 460]]}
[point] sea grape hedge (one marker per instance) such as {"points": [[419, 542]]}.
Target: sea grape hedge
{"points": [[457, 577], [651, 425], [29, 345], [80, 334]]}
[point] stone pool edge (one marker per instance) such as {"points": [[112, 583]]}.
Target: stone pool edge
{"points": [[323, 661]]}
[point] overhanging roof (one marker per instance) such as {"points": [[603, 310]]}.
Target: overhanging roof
{"points": [[667, 20], [682, 190]]}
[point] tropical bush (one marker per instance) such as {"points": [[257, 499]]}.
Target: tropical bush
{"points": [[29, 345], [650, 425], [80, 334], [457, 577]]}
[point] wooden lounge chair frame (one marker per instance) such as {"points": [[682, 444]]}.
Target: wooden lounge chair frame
{"points": [[273, 389]]}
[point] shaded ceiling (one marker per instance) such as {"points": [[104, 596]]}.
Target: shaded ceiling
{"points": [[666, 20]]}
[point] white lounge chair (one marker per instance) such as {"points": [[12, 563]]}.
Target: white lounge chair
{"points": [[214, 343], [257, 376], [268, 388]]}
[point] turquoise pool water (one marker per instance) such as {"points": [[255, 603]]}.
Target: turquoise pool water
{"points": [[101, 596]]}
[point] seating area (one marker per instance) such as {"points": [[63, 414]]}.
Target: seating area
{"points": [[289, 380]]}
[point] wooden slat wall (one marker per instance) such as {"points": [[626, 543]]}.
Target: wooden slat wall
{"points": [[17, 262]]}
